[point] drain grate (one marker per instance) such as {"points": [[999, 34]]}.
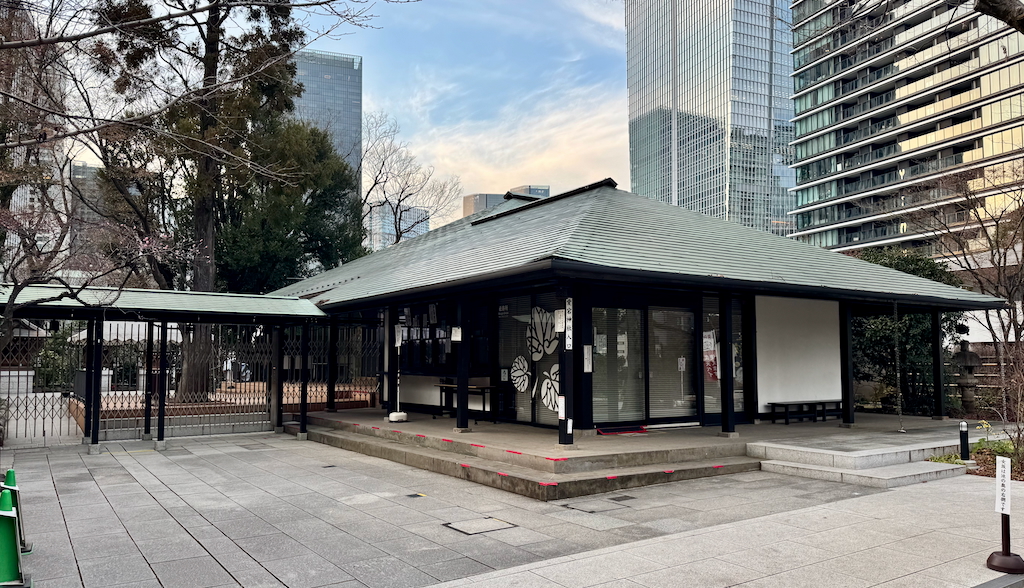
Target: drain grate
{"points": [[477, 526]]}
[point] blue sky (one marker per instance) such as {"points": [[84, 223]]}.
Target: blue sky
{"points": [[502, 92]]}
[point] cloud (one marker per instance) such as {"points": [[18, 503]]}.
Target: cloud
{"points": [[603, 24], [605, 13], [565, 137]]}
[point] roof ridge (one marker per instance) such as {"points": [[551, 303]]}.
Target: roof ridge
{"points": [[323, 281], [587, 207]]}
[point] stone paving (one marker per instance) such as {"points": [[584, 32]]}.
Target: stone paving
{"points": [[264, 510], [933, 535]]}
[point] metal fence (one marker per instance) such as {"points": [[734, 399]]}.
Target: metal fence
{"points": [[38, 370], [218, 377]]}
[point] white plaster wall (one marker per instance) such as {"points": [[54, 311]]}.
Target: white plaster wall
{"points": [[424, 390], [798, 355]]}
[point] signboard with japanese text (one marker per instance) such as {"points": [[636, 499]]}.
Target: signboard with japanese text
{"points": [[1003, 485]]}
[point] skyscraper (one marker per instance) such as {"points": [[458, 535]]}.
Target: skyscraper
{"points": [[476, 202], [382, 228], [332, 98], [709, 107], [891, 102]]}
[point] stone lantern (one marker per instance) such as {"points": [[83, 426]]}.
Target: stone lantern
{"points": [[967, 382]]}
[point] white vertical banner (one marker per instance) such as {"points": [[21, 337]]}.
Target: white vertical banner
{"points": [[568, 324], [1003, 485]]}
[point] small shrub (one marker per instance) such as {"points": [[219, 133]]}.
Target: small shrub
{"points": [[952, 458], [1003, 447]]}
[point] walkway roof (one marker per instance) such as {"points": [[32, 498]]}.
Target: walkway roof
{"points": [[159, 305], [609, 234]]}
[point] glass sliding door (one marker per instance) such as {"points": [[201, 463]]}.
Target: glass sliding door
{"points": [[618, 370], [670, 353], [739, 395], [710, 356]]}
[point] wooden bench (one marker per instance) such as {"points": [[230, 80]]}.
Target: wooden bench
{"points": [[806, 409]]}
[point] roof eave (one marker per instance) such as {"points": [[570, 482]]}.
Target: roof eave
{"points": [[529, 271], [571, 268]]}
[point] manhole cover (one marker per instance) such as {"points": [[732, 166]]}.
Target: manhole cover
{"points": [[474, 526], [593, 506], [622, 498]]}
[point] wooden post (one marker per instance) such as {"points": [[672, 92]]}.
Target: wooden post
{"points": [[277, 377], [725, 362], [97, 396], [161, 411], [392, 341], [89, 381], [566, 371], [464, 350]]}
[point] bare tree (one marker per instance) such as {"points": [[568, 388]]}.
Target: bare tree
{"points": [[398, 190], [43, 239]]}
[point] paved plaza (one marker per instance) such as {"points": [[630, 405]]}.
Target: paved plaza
{"points": [[262, 509]]}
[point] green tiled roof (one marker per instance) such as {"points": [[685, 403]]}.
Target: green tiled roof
{"points": [[603, 227], [170, 302]]}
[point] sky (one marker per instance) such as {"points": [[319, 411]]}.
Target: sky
{"points": [[501, 92]]}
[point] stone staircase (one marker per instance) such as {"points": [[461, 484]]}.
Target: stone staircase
{"points": [[878, 468], [561, 474]]}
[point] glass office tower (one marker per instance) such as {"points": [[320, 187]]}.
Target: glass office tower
{"points": [[332, 98], [709, 106], [894, 103]]}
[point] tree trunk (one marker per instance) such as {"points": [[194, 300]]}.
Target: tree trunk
{"points": [[197, 355], [197, 364]]}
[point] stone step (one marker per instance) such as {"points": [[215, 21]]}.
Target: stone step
{"points": [[556, 461], [851, 460], [521, 479], [889, 476]]}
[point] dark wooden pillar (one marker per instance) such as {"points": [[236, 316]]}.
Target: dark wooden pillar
{"points": [[161, 406], [846, 360], [89, 381], [332, 363], [937, 364], [566, 373], [583, 341], [97, 374], [726, 366], [464, 350], [277, 377], [749, 328], [147, 431], [304, 371], [392, 347]]}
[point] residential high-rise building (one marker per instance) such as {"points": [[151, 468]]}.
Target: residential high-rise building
{"points": [[382, 229], [709, 107], [332, 98], [893, 99], [477, 202]]}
